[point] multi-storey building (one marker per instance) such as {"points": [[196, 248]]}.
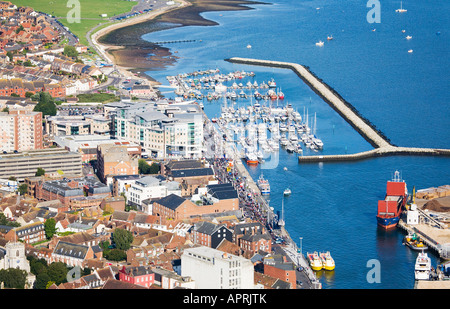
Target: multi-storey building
{"points": [[20, 130], [115, 160], [151, 187], [161, 132], [213, 269], [53, 160]]}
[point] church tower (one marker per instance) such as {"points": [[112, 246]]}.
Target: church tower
{"points": [[15, 256]]}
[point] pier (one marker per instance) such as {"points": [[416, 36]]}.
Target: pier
{"points": [[376, 138]]}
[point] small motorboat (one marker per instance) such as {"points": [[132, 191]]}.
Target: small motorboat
{"points": [[327, 261], [414, 242], [287, 191], [314, 261]]}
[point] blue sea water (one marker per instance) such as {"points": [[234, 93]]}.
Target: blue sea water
{"points": [[405, 95]]}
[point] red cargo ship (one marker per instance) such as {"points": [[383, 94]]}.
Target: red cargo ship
{"points": [[391, 208]]}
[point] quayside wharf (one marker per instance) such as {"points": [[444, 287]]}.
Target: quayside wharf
{"points": [[227, 149], [381, 144]]}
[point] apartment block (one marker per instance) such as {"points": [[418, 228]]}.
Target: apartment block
{"points": [[162, 132], [20, 130]]}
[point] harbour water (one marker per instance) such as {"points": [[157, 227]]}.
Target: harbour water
{"points": [[333, 206]]}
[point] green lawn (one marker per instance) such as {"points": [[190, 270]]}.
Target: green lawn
{"points": [[88, 9]]}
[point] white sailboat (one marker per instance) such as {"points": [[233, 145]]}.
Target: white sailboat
{"points": [[401, 9]]}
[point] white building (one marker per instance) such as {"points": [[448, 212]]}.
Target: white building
{"points": [[412, 215], [214, 269], [151, 187], [13, 256], [163, 131]]}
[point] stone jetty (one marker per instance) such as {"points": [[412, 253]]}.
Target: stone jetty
{"points": [[382, 145]]}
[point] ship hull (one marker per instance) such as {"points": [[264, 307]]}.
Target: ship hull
{"points": [[388, 223]]}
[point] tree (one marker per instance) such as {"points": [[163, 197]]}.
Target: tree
{"points": [[115, 255], [37, 266], [57, 271], [42, 280], [70, 51], [13, 278], [5, 221], [23, 189], [10, 55], [46, 104], [145, 168], [122, 239], [50, 228], [40, 172]]}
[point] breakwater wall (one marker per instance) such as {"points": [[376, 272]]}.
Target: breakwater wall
{"points": [[378, 152], [363, 126]]}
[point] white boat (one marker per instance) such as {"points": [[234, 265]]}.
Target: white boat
{"points": [[249, 46], [220, 88], [272, 83], [320, 43], [422, 268], [410, 51], [408, 37], [287, 191], [263, 185], [318, 142], [401, 9]]}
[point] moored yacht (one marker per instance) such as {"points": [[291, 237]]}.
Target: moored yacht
{"points": [[422, 269]]}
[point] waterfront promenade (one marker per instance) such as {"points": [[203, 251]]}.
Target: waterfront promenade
{"points": [[229, 167], [381, 144]]}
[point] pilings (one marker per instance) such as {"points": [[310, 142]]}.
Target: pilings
{"points": [[375, 137]]}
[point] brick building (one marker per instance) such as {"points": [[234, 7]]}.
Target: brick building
{"points": [[209, 234], [140, 275], [115, 160], [176, 207], [278, 267]]}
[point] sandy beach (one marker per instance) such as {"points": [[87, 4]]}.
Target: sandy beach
{"points": [[121, 43]]}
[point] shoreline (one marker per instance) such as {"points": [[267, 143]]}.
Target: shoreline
{"points": [[105, 49], [121, 45]]}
